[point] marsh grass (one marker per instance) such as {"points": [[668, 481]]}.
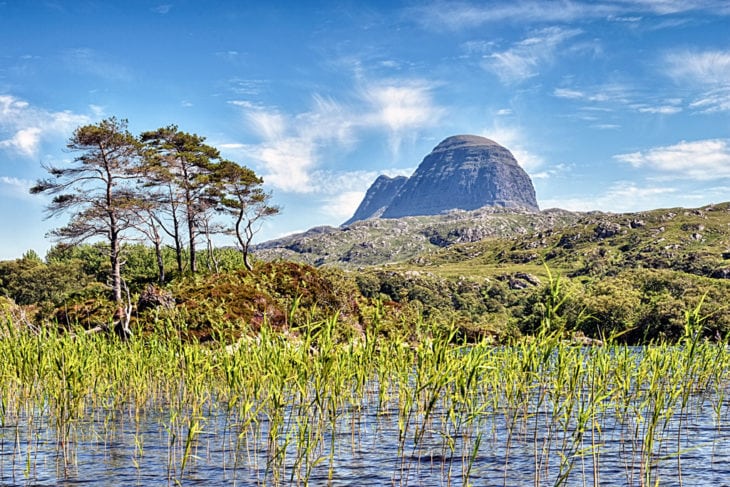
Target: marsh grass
{"points": [[277, 410]]}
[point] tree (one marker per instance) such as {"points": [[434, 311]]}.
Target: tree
{"points": [[147, 223], [183, 164], [242, 196], [97, 190]]}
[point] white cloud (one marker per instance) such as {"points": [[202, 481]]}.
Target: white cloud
{"points": [[343, 205], [458, 15], [402, 107], [97, 111], [660, 110], [513, 139], [162, 9], [292, 145], [25, 141], [289, 147], [287, 161], [713, 101], [461, 15], [345, 190], [700, 160], [91, 62], [16, 187], [667, 7], [524, 59], [704, 67], [269, 125], [23, 128], [608, 93], [569, 94], [707, 71], [619, 197]]}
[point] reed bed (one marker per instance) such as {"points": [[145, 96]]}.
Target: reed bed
{"points": [[314, 410]]}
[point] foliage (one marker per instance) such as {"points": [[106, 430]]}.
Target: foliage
{"points": [[96, 190]]}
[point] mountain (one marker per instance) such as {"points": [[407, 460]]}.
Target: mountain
{"points": [[377, 198], [463, 172]]}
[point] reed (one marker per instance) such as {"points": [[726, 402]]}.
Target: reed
{"points": [[286, 410]]}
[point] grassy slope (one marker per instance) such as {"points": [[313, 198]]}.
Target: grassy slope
{"points": [[695, 241]]}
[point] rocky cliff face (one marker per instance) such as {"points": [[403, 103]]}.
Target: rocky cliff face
{"points": [[464, 172], [377, 198]]}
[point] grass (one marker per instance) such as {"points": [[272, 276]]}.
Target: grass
{"points": [[288, 411]]}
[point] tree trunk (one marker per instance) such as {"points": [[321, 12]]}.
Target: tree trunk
{"points": [[178, 245], [160, 262], [193, 256], [116, 265], [121, 315], [245, 243]]}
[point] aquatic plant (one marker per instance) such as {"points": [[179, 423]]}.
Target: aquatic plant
{"points": [[315, 406]]}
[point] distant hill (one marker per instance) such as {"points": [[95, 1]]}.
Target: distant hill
{"points": [[695, 241], [463, 172], [383, 240]]}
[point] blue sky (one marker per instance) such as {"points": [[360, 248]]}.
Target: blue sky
{"points": [[616, 105]]}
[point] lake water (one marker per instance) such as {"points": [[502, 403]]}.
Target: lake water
{"points": [[498, 447]]}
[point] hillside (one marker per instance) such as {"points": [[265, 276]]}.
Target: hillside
{"points": [[384, 240], [694, 241], [494, 271], [690, 240]]}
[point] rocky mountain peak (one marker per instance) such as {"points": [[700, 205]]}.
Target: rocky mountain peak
{"points": [[463, 172], [377, 198], [461, 141]]}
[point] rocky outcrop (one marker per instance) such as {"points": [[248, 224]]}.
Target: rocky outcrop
{"points": [[377, 198], [464, 172]]}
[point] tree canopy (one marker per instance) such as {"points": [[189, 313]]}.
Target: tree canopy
{"points": [[162, 183]]}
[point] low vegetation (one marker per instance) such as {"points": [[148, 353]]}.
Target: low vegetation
{"points": [[632, 276], [279, 410]]}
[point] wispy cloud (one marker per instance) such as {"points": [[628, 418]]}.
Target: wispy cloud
{"points": [[705, 67], [162, 9], [16, 187], [89, 61], [708, 72], [402, 107], [525, 59], [668, 106], [700, 160], [612, 96], [620, 196], [666, 7], [23, 127], [343, 191], [514, 139], [612, 93], [460, 15], [717, 100], [291, 145], [660, 110]]}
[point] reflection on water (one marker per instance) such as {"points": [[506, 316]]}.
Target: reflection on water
{"points": [[372, 443]]}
